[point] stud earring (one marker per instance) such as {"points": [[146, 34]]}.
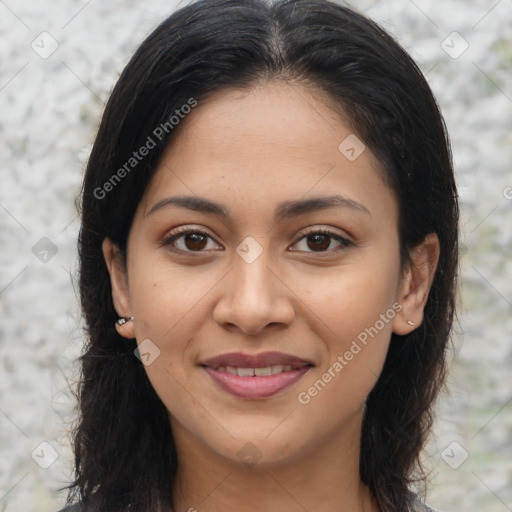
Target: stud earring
{"points": [[411, 323], [124, 319]]}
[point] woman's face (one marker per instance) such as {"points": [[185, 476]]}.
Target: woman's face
{"points": [[264, 276]]}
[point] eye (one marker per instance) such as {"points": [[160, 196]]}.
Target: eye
{"points": [[190, 240], [187, 240], [321, 240]]}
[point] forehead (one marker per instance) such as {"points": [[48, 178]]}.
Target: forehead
{"points": [[272, 142], [276, 116]]}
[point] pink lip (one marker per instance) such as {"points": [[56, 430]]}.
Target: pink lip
{"points": [[262, 360], [257, 386]]}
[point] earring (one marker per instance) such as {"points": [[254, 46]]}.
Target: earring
{"points": [[123, 320], [411, 323]]}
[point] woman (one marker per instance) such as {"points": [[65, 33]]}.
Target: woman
{"points": [[268, 258]]}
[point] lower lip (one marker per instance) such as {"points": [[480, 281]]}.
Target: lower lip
{"points": [[255, 387]]}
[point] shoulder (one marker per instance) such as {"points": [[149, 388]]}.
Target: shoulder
{"points": [[74, 508], [80, 507], [419, 506]]}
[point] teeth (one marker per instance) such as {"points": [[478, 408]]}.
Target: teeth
{"points": [[278, 368], [263, 371], [245, 372], [259, 372]]}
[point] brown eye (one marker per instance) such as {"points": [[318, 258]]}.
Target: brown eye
{"points": [[190, 240], [318, 242], [195, 241], [321, 241]]}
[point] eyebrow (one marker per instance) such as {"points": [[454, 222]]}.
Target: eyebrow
{"points": [[284, 210]]}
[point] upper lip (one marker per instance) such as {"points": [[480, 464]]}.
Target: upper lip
{"points": [[241, 360]]}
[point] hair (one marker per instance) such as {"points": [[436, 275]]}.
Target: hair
{"points": [[123, 445]]}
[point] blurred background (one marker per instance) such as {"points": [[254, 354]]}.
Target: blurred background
{"points": [[58, 63]]}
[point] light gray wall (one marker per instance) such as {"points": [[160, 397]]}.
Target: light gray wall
{"points": [[50, 106]]}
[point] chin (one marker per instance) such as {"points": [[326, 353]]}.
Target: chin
{"points": [[259, 452]]}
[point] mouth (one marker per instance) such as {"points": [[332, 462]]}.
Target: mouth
{"points": [[255, 376]]}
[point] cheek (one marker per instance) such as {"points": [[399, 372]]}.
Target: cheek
{"points": [[167, 302], [169, 307], [349, 301], [354, 311]]}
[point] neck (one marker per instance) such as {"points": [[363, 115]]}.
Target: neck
{"points": [[325, 480]]}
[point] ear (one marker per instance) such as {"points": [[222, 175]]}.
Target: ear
{"points": [[415, 285], [119, 282]]}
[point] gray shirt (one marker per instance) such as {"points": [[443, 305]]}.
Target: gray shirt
{"points": [[418, 507]]}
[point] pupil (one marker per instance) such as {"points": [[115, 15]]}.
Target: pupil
{"points": [[195, 241], [320, 242]]}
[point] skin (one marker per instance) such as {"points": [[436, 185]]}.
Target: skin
{"points": [[250, 151]]}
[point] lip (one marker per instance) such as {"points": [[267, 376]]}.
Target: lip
{"points": [[256, 387], [238, 359]]}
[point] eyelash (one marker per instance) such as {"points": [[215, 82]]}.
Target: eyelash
{"points": [[180, 232]]}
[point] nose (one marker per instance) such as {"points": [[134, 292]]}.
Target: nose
{"points": [[254, 298]]}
